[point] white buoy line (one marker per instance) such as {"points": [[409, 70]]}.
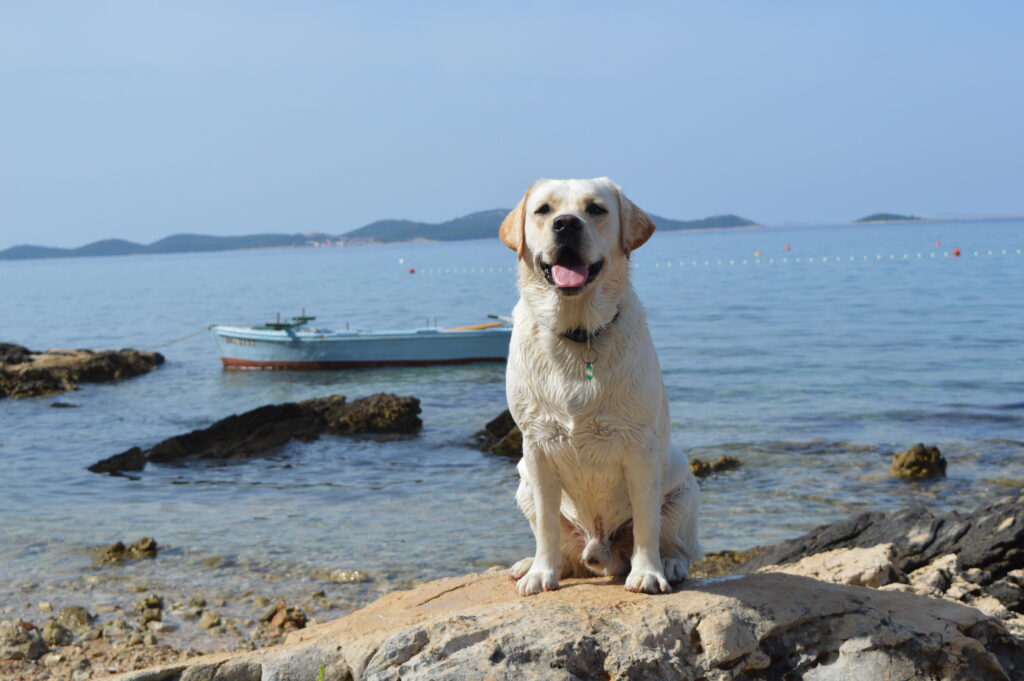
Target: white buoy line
{"points": [[785, 260]]}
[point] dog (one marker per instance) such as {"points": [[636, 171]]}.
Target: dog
{"points": [[604, 490]]}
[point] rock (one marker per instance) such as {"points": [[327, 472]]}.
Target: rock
{"points": [[56, 371], [919, 463], [63, 405], [286, 618], [14, 354], [209, 619], [118, 552], [761, 626], [702, 469], [501, 436], [20, 641], [55, 634], [874, 566], [263, 430], [74, 617], [990, 538], [133, 459], [722, 563]]}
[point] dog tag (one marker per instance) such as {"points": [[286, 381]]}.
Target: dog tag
{"points": [[590, 371]]}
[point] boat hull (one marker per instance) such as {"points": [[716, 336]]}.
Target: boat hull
{"points": [[250, 348]]}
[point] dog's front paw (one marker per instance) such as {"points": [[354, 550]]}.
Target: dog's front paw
{"points": [[535, 581], [647, 582], [520, 568], [676, 569]]}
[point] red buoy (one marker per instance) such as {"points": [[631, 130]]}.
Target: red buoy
{"points": [[412, 270], [956, 252], [786, 247], [938, 243]]}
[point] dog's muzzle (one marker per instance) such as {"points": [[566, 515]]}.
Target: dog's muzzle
{"points": [[568, 273]]}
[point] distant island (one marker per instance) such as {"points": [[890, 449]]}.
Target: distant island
{"points": [[889, 217], [480, 225], [484, 225]]}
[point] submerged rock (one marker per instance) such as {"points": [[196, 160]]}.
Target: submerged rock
{"points": [[118, 552], [919, 463], [265, 429], [702, 469], [763, 626], [30, 374]]}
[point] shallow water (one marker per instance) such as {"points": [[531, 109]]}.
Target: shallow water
{"points": [[812, 373]]}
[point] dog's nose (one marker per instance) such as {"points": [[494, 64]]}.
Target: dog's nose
{"points": [[567, 224]]}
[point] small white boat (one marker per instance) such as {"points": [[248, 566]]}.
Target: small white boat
{"points": [[295, 345]]}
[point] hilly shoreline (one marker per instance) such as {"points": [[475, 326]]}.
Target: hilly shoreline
{"points": [[479, 225]]}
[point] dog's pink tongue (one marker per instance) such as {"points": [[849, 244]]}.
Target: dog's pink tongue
{"points": [[569, 277]]}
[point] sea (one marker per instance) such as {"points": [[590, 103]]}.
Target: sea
{"points": [[812, 354]]}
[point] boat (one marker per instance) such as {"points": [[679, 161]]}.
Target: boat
{"points": [[295, 344]]}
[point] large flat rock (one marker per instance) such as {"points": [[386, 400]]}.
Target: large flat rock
{"points": [[761, 626]]}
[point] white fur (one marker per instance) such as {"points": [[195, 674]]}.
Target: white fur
{"points": [[596, 454]]}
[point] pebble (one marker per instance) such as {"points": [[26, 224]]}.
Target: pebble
{"points": [[209, 620]]}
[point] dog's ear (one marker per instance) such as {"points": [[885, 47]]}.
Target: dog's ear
{"points": [[635, 227], [513, 227]]}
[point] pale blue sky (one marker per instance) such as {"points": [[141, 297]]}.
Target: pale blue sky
{"points": [[140, 119]]}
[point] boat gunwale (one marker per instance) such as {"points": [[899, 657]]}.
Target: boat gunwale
{"points": [[311, 336]]}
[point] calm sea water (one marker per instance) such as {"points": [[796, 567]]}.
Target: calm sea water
{"points": [[813, 373]]}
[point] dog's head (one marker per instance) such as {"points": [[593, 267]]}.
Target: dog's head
{"points": [[570, 233]]}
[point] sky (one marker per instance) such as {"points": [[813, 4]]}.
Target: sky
{"points": [[138, 119]]}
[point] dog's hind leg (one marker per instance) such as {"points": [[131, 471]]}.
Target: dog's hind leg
{"points": [[679, 545]]}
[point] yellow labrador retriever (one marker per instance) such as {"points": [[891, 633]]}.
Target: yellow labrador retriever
{"points": [[603, 488]]}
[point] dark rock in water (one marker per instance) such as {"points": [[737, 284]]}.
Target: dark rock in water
{"points": [[919, 463], [265, 429], [501, 436], [133, 459], [57, 371], [702, 469], [11, 353], [118, 552], [990, 538], [63, 405]]}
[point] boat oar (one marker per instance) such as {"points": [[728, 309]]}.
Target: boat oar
{"points": [[474, 327]]}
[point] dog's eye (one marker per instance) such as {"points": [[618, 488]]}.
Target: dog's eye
{"points": [[543, 210], [596, 209]]}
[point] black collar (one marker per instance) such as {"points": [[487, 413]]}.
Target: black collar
{"points": [[580, 335]]}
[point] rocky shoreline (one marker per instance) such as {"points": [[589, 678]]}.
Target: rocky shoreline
{"points": [[24, 373], [907, 594]]}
